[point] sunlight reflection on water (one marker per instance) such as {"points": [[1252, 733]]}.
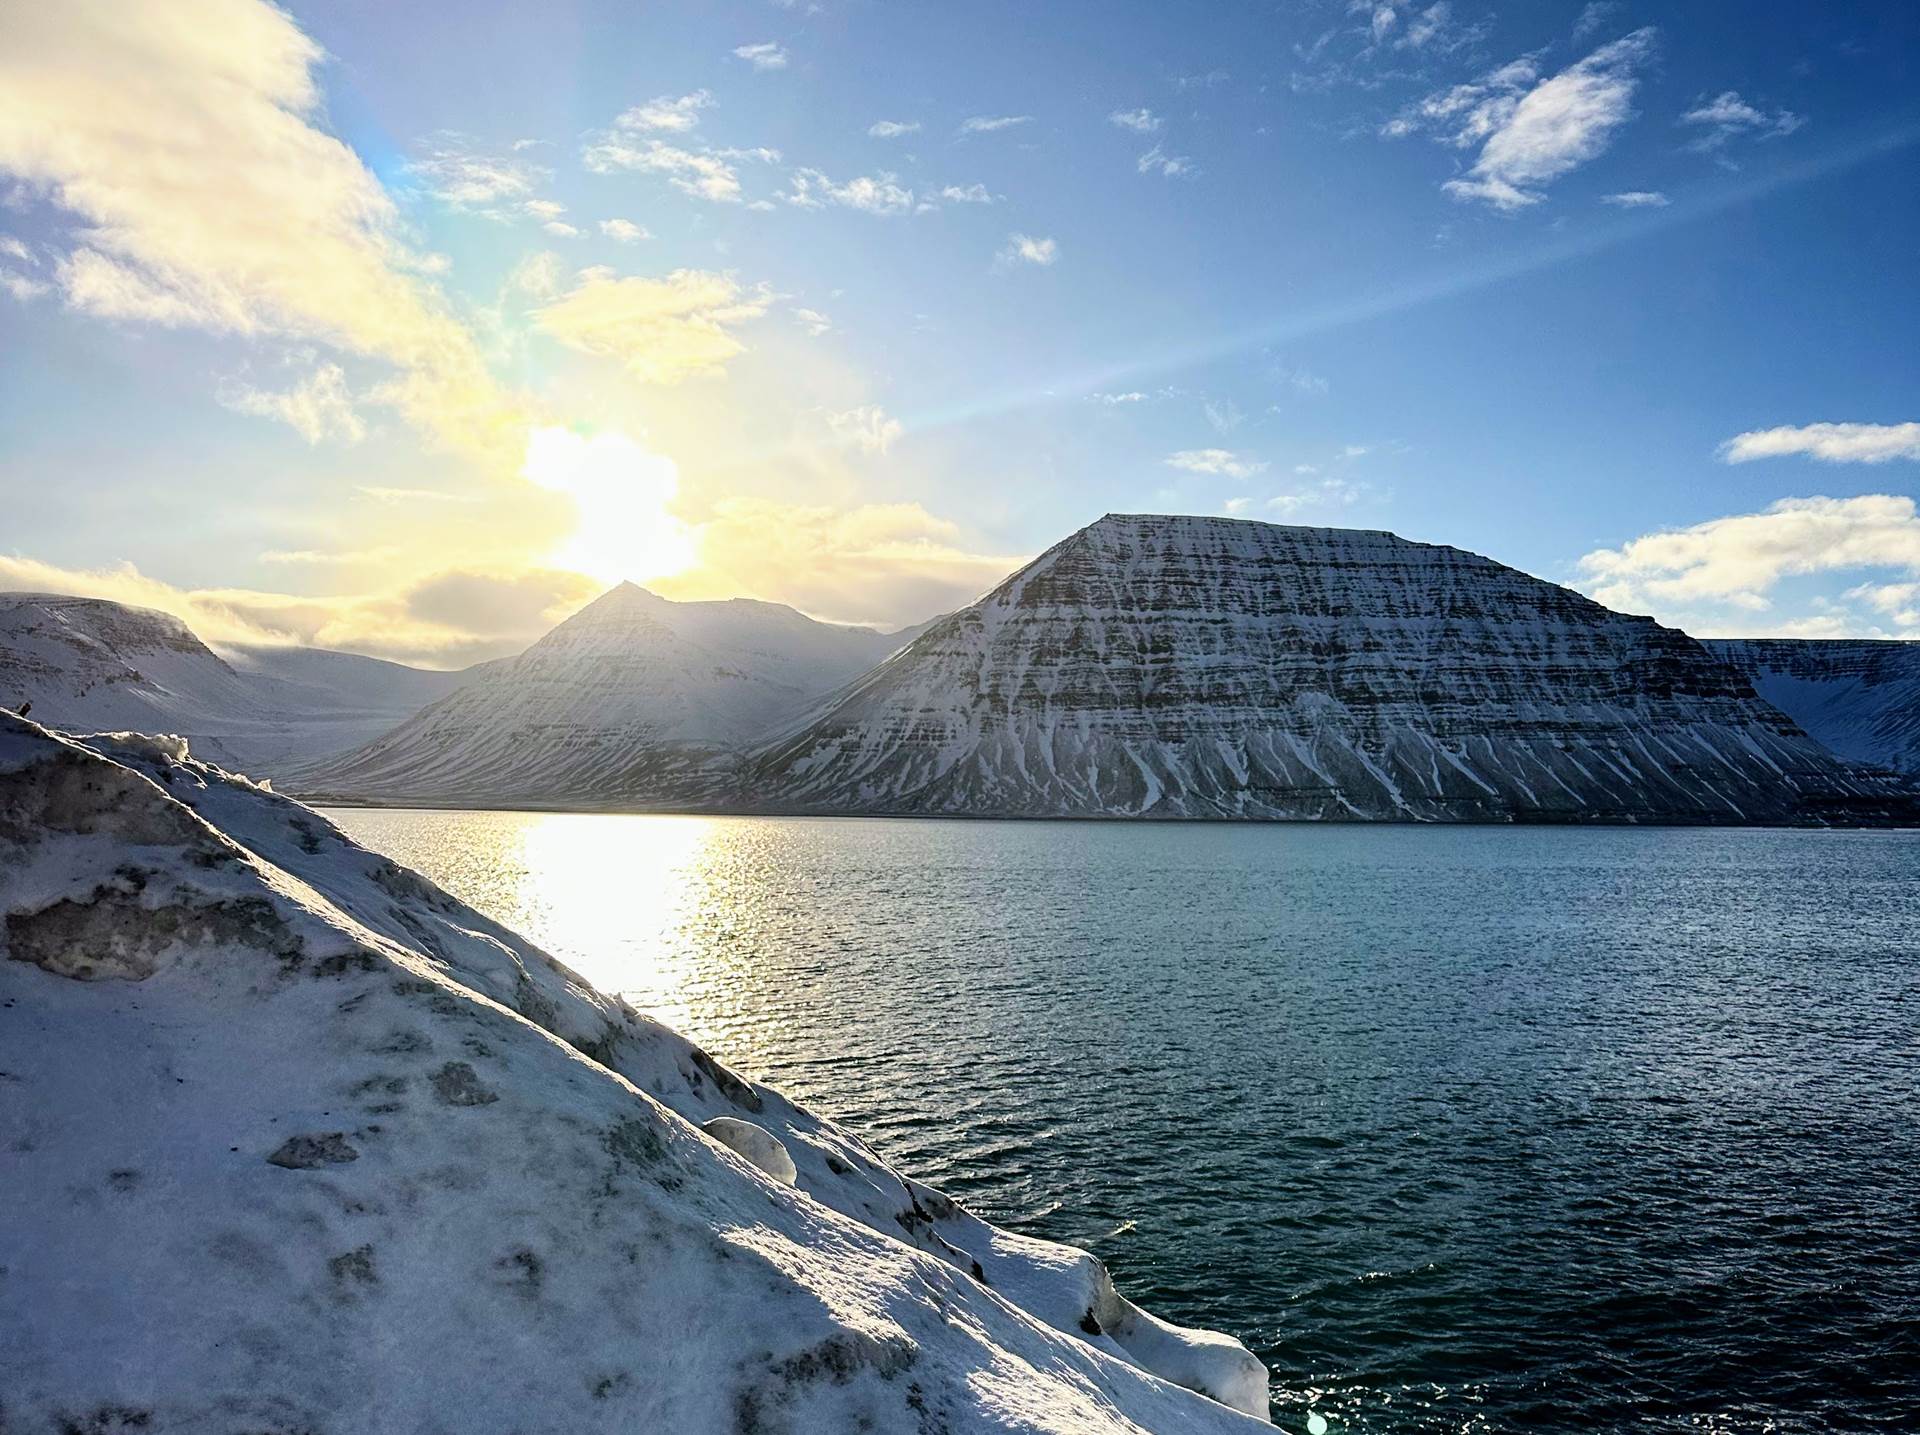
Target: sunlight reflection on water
{"points": [[1459, 1129]]}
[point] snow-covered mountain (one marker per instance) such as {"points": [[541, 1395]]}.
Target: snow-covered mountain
{"points": [[93, 665], [1858, 697], [634, 700], [294, 1141], [1212, 667]]}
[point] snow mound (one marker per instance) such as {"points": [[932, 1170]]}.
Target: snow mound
{"points": [[296, 1141]]}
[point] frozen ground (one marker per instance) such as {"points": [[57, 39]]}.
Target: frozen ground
{"points": [[294, 1141]]}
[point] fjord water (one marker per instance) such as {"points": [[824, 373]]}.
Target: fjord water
{"points": [[1458, 1128]]}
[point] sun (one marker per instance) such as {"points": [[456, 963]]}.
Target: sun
{"points": [[621, 491]]}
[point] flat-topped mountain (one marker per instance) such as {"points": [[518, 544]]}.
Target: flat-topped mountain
{"points": [[92, 665], [1860, 697], [634, 699], [1209, 667]]}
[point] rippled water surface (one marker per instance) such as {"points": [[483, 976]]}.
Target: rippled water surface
{"points": [[1460, 1129]]}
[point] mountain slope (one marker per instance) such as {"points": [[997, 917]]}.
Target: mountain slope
{"points": [[1859, 698], [1198, 667], [296, 1141], [93, 665], [634, 699]]}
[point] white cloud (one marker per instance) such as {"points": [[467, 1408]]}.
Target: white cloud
{"points": [[1131, 396], [1158, 161], [544, 208], [1531, 131], [458, 175], [1328, 493], [17, 249], [1726, 116], [22, 287], [1237, 506], [1636, 199], [813, 321], [1899, 602], [1737, 561], [662, 330], [987, 124], [319, 407], [764, 56], [867, 428], [560, 229], [871, 194], [1223, 414], [211, 197], [1219, 462], [1025, 249], [624, 230], [1593, 17], [1830, 443], [1302, 381], [703, 174], [666, 114], [538, 275], [893, 129], [966, 194], [1142, 121]]}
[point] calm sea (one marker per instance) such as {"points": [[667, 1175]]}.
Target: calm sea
{"points": [[1459, 1129]]}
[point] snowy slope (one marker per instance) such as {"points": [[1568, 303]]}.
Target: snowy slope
{"points": [[1860, 698], [295, 1141], [633, 700], [1207, 667], [87, 663]]}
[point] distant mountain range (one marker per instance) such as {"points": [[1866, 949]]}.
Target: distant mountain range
{"points": [[1143, 667], [632, 699], [91, 665]]}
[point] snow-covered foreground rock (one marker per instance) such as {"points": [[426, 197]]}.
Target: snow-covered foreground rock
{"points": [[293, 1141], [635, 700], [91, 664], [1858, 697], [1154, 666]]}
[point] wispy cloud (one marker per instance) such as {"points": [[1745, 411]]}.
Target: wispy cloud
{"points": [[1220, 462], [1158, 161], [1327, 493], [764, 56], [662, 330], [1594, 18], [705, 173], [459, 175], [666, 113], [987, 124], [1531, 131], [1830, 443], [893, 129], [1026, 249], [1636, 199], [624, 230], [868, 428], [1737, 562], [871, 194], [318, 408], [813, 321], [965, 194], [1726, 117], [1142, 121]]}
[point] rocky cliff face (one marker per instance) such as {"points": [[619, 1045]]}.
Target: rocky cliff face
{"points": [[294, 1141], [93, 665], [1857, 697], [1199, 667], [634, 700]]}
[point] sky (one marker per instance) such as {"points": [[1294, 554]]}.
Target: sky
{"points": [[406, 329]]}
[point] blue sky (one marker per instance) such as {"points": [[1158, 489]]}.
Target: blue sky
{"points": [[855, 306]]}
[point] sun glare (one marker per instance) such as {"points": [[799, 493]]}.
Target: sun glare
{"points": [[621, 492]]}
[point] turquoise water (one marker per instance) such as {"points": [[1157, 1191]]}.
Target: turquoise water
{"points": [[1459, 1129]]}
